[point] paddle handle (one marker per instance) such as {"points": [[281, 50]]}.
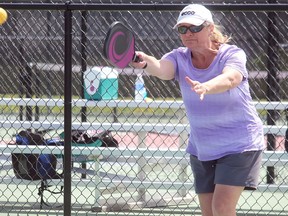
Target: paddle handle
{"points": [[136, 58]]}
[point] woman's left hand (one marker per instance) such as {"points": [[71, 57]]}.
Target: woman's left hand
{"points": [[198, 87]]}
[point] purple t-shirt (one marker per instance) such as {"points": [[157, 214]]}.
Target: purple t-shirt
{"points": [[224, 123]]}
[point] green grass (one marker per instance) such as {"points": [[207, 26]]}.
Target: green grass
{"points": [[56, 110]]}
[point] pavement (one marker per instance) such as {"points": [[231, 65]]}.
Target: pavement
{"points": [[23, 200]]}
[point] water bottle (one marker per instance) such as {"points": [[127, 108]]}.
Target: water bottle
{"points": [[140, 90]]}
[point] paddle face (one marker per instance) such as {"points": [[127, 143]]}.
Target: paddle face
{"points": [[119, 45]]}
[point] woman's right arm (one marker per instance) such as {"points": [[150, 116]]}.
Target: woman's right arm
{"points": [[163, 69]]}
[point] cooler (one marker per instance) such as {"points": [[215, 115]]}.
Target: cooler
{"points": [[100, 83]]}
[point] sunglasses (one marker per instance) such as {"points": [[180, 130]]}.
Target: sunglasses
{"points": [[193, 29]]}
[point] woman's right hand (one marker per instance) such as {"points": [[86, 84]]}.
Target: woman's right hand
{"points": [[163, 69], [140, 64]]}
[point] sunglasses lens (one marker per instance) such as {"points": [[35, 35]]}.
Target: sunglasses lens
{"points": [[195, 29], [182, 29]]}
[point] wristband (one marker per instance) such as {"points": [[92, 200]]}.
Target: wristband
{"points": [[145, 66]]}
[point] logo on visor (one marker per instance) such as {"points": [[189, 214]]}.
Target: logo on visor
{"points": [[187, 13]]}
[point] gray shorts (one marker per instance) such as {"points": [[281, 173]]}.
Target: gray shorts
{"points": [[236, 170]]}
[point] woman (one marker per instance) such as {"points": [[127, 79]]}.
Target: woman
{"points": [[226, 137]]}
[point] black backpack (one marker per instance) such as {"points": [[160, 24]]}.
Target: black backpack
{"points": [[34, 166], [43, 166]]}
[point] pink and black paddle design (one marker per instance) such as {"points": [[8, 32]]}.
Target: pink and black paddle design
{"points": [[119, 45]]}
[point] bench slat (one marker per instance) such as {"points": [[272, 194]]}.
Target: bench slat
{"points": [[106, 183], [122, 152], [173, 104], [127, 127]]}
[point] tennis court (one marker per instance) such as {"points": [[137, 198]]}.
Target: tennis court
{"points": [[247, 206]]}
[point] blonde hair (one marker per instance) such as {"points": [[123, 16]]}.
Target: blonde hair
{"points": [[218, 38]]}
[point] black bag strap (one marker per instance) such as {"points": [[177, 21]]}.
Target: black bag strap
{"points": [[45, 187], [108, 140], [81, 137]]}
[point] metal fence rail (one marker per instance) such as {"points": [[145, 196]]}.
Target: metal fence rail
{"points": [[47, 47]]}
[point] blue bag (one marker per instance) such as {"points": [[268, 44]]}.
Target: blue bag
{"points": [[34, 166]]}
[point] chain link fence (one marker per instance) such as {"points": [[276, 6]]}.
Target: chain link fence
{"points": [[146, 167]]}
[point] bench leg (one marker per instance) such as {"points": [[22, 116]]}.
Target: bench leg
{"points": [[97, 206], [141, 166], [183, 176]]}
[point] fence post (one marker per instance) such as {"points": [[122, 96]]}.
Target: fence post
{"points": [[48, 75], [21, 77], [67, 109], [286, 134], [37, 90], [28, 89], [272, 82], [83, 44]]}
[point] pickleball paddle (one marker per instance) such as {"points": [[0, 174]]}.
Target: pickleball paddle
{"points": [[119, 45]]}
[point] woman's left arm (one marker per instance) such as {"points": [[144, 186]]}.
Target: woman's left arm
{"points": [[231, 76], [228, 79]]}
